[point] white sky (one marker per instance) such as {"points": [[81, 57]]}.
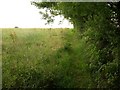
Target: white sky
{"points": [[24, 15]]}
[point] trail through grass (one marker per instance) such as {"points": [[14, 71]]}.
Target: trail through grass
{"points": [[45, 58]]}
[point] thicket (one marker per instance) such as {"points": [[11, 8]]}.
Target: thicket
{"points": [[99, 23]]}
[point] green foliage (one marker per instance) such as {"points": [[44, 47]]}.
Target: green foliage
{"points": [[71, 59], [67, 67], [76, 63], [103, 35], [26, 63]]}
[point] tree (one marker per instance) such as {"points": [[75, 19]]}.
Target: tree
{"points": [[76, 13], [103, 20], [16, 27]]}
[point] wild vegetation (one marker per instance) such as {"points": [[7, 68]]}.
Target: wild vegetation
{"points": [[27, 56], [84, 57], [99, 22], [51, 58]]}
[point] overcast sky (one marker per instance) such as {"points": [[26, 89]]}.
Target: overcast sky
{"points": [[24, 15]]}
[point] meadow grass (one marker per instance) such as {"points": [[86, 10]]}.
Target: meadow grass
{"points": [[30, 51], [44, 58]]}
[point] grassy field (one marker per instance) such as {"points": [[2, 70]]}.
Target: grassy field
{"points": [[27, 50], [44, 58]]}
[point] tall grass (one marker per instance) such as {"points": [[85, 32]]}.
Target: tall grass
{"points": [[28, 56], [46, 58]]}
